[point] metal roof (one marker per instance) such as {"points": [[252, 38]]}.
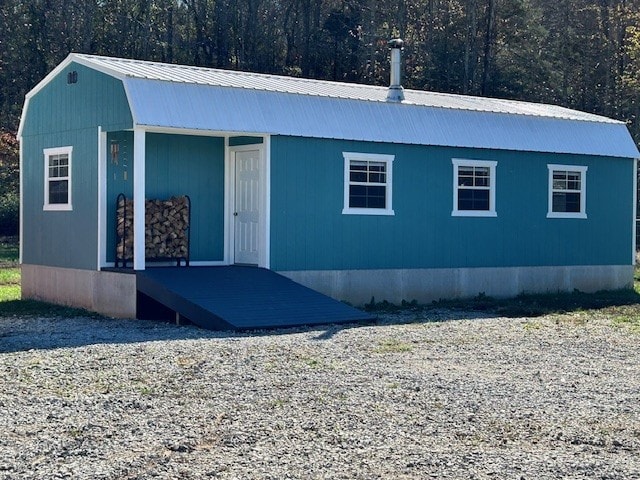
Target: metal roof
{"points": [[195, 98]]}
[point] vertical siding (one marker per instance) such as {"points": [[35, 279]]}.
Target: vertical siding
{"points": [[242, 140], [176, 165], [68, 115], [119, 180], [194, 166], [309, 232]]}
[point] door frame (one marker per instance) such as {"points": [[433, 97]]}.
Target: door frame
{"points": [[264, 195]]}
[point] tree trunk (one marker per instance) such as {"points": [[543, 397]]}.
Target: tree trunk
{"points": [[489, 40]]}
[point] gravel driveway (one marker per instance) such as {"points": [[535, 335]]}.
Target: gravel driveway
{"points": [[441, 394]]}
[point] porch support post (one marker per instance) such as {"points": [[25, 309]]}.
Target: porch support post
{"points": [[102, 198], [139, 160]]}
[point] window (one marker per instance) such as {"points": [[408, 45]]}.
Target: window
{"points": [[367, 184], [57, 178], [474, 188], [567, 191]]}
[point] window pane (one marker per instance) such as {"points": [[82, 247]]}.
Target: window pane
{"points": [[573, 181], [465, 176], [559, 180], [566, 202], [481, 176], [58, 191], [358, 176], [471, 199], [63, 172], [367, 196], [376, 197], [377, 178], [474, 176], [358, 171]]}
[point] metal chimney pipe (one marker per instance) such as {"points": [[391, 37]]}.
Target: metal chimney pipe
{"points": [[396, 92]]}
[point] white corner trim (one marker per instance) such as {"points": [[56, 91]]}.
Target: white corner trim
{"points": [[102, 198], [635, 211], [139, 195], [266, 253], [21, 207], [227, 255]]}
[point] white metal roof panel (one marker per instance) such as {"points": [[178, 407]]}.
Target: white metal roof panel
{"points": [[185, 97], [125, 68], [203, 107]]}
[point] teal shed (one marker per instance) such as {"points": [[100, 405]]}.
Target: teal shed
{"points": [[356, 191]]}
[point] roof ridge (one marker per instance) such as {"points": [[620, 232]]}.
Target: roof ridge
{"points": [[188, 74]]}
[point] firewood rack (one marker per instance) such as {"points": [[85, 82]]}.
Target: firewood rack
{"points": [[124, 236]]}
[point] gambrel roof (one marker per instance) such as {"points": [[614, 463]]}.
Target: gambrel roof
{"points": [[194, 98]]}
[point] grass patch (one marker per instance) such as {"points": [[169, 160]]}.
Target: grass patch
{"points": [[9, 276], [628, 320], [14, 307], [530, 305], [9, 293], [9, 251]]}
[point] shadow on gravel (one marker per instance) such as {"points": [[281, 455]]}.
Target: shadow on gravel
{"points": [[37, 330], [45, 333], [25, 332]]}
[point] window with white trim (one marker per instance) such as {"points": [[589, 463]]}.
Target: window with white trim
{"points": [[474, 188], [367, 184], [567, 191], [57, 178]]}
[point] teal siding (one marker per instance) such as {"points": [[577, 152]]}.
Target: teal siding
{"points": [[176, 165], [96, 99], [119, 180], [194, 166], [238, 141], [68, 115], [309, 232]]}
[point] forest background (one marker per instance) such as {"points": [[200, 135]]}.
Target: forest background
{"points": [[582, 54]]}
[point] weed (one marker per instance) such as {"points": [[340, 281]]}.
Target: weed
{"points": [[392, 345], [630, 321], [310, 361], [278, 403], [531, 326], [145, 390]]}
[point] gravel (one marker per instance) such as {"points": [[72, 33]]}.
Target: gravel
{"points": [[441, 394]]}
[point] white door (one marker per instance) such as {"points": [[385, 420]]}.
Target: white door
{"points": [[246, 210]]}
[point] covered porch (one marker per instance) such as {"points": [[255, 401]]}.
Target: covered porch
{"points": [[224, 175]]}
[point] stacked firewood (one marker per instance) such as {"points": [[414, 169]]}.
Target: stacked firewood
{"points": [[166, 224]]}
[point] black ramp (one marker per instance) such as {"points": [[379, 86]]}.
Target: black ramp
{"points": [[241, 298]]}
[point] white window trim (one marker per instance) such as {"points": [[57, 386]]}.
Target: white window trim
{"points": [[369, 157], [462, 162], [583, 191], [56, 206]]}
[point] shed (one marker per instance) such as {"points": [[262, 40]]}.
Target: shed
{"points": [[340, 187]]}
